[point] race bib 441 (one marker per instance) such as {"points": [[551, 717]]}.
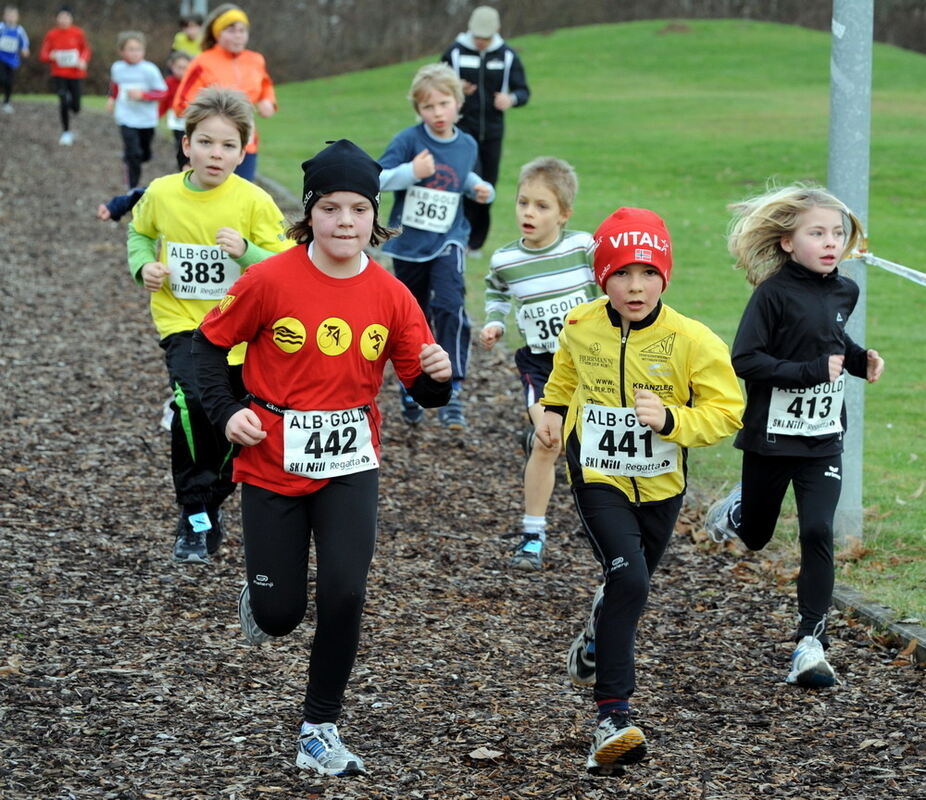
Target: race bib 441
{"points": [[615, 442]]}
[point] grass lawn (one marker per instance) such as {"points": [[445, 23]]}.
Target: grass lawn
{"points": [[684, 119]]}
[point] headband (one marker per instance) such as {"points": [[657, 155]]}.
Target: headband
{"points": [[230, 17]]}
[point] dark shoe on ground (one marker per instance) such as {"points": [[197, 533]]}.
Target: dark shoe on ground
{"points": [[527, 441], [216, 533], [451, 415], [412, 413], [529, 553], [190, 544]]}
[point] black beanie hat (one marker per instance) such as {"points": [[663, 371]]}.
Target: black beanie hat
{"points": [[340, 167]]}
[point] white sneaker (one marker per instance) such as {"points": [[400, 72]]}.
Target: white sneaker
{"points": [[809, 667], [321, 749], [7, 108], [718, 522], [580, 658], [615, 742], [249, 627], [66, 138]]}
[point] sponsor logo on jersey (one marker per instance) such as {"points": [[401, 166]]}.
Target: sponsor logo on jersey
{"points": [[639, 239], [225, 302], [662, 348]]}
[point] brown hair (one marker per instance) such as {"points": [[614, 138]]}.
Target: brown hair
{"points": [[557, 175], [215, 101], [301, 232], [128, 36], [208, 39]]}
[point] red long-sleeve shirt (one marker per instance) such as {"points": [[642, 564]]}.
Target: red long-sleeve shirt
{"points": [[63, 48]]}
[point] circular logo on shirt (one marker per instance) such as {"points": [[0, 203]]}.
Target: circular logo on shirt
{"points": [[373, 341], [333, 336], [288, 334]]}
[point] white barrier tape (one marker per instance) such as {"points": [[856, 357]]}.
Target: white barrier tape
{"points": [[890, 266]]}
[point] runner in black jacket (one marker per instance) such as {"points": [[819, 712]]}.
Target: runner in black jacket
{"points": [[792, 351], [493, 81]]}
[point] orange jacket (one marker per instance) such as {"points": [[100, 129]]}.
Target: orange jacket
{"points": [[65, 41], [245, 71]]}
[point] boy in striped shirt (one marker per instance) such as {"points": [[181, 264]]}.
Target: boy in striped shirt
{"points": [[547, 271]]}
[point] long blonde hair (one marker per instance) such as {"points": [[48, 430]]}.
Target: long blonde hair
{"points": [[758, 224]]}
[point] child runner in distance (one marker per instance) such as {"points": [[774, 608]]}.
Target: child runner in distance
{"points": [[547, 270], [189, 38], [135, 88], [792, 351], [430, 167], [191, 236], [14, 45], [65, 48], [320, 320], [121, 204], [177, 63], [636, 383]]}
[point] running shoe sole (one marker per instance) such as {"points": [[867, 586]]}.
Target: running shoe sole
{"points": [[627, 748]]}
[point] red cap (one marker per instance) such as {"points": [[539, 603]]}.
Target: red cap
{"points": [[632, 236]]}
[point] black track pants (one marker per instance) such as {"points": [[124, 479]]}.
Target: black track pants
{"points": [[200, 455], [479, 214], [341, 519], [817, 483], [628, 542], [68, 91]]}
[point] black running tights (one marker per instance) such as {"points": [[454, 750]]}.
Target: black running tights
{"points": [[817, 483], [341, 519]]}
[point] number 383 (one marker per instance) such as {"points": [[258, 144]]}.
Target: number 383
{"points": [[202, 272]]}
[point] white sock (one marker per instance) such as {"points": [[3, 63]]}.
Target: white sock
{"points": [[536, 525]]}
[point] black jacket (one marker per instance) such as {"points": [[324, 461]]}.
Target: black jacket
{"points": [[496, 69], [794, 321]]}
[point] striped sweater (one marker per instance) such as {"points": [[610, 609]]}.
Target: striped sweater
{"points": [[545, 283]]}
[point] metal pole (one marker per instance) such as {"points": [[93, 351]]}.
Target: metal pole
{"points": [[848, 169]]}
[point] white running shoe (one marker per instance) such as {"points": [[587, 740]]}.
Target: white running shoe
{"points": [[321, 749], [809, 667], [580, 658], [616, 742], [249, 627], [718, 522], [66, 138], [7, 108]]}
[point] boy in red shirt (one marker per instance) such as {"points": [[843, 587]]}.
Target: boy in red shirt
{"points": [[65, 48]]}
